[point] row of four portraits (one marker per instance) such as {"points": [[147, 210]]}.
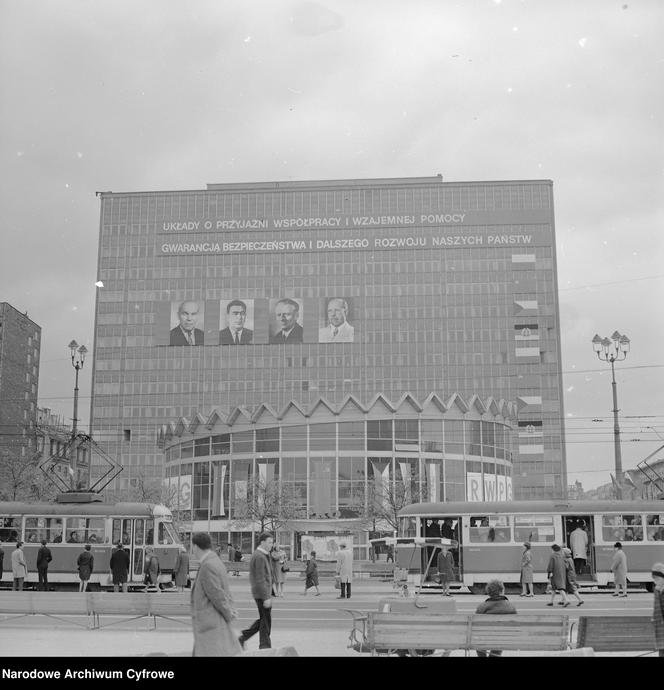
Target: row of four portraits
{"points": [[284, 318]]}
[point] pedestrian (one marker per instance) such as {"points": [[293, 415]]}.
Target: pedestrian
{"points": [[19, 568], [556, 572], [152, 570], [390, 555], [119, 565], [344, 570], [85, 563], [578, 541], [526, 571], [658, 606], [311, 575], [43, 559], [497, 604], [212, 609], [445, 570], [619, 570], [572, 586], [260, 577], [278, 561], [181, 568], [231, 552]]}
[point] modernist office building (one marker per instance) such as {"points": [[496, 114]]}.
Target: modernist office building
{"points": [[20, 342], [331, 332]]}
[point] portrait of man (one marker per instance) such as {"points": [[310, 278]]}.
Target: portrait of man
{"points": [[337, 330], [235, 332], [186, 331], [287, 328]]}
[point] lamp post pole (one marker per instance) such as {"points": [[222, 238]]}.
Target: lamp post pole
{"points": [[77, 361], [614, 350]]}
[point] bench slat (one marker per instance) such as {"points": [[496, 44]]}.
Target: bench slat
{"points": [[616, 633], [457, 631], [416, 631]]}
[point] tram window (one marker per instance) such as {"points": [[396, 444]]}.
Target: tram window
{"points": [[75, 530], [408, 527], [149, 527], [10, 528], [54, 530], [121, 531], [34, 530], [139, 527], [39, 528], [95, 530], [488, 529], [622, 528], [655, 527], [533, 528], [166, 534]]}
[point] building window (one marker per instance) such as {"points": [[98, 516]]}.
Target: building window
{"points": [[267, 440], [379, 434]]}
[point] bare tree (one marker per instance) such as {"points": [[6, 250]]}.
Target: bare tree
{"points": [[385, 500], [271, 504], [21, 479]]}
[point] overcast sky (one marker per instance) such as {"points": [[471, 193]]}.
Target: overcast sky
{"points": [[139, 95]]}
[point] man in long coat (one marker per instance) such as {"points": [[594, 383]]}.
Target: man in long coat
{"points": [[619, 570], [212, 607], [119, 568], [86, 564], [19, 568], [344, 570], [181, 568], [557, 574]]}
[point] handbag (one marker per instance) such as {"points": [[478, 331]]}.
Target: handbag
{"points": [[284, 568], [337, 582]]}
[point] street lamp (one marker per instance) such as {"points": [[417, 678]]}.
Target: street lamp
{"points": [[77, 361], [614, 350]]}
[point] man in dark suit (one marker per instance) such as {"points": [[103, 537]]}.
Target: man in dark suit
{"points": [[260, 577], [43, 559], [287, 312], [186, 333], [119, 568], [235, 333]]}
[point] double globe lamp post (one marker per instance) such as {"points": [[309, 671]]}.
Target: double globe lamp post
{"points": [[614, 350], [77, 361]]}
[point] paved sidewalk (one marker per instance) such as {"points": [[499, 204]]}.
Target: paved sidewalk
{"points": [[65, 642]]}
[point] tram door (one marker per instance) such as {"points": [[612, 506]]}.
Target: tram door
{"points": [[143, 536], [586, 523], [448, 528]]}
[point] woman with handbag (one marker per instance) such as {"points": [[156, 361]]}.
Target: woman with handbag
{"points": [[279, 570]]}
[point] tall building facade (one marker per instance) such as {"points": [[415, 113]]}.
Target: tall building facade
{"points": [[418, 310], [20, 341]]}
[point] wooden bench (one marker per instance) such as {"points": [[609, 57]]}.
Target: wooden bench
{"points": [[393, 631], [50, 604], [358, 633], [140, 605], [616, 633]]}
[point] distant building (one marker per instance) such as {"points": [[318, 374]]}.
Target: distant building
{"points": [[637, 485], [53, 439], [20, 340], [575, 491]]}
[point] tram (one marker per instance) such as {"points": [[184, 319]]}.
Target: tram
{"points": [[490, 538], [68, 527]]}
